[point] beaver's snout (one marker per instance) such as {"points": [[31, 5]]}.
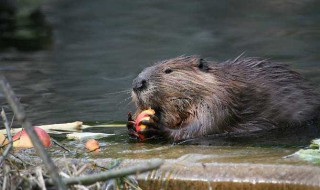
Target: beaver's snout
{"points": [[139, 84]]}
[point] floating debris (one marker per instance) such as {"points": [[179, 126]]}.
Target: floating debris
{"points": [[312, 154], [87, 135]]}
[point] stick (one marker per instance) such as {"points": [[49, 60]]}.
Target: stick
{"points": [[6, 170], [93, 178], [9, 147], [60, 145], [65, 127], [81, 170], [74, 126], [40, 179], [21, 117], [21, 160]]}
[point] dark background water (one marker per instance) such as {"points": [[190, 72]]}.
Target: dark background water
{"points": [[100, 46]]}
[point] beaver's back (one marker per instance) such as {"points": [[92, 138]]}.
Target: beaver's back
{"points": [[270, 93], [194, 97]]}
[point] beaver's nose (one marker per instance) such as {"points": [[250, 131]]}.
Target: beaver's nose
{"points": [[139, 84]]}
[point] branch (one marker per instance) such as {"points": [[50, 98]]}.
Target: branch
{"points": [[93, 178], [8, 148], [21, 117]]}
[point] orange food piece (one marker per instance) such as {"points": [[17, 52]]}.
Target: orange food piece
{"points": [[92, 145], [25, 142], [143, 116]]}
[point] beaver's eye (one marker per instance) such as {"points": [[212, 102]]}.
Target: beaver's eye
{"points": [[167, 71], [202, 65]]}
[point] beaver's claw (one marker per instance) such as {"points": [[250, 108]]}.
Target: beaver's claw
{"points": [[154, 129], [131, 129]]}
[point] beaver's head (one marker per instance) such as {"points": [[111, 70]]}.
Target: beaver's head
{"points": [[174, 88]]}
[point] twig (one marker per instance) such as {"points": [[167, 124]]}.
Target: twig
{"points": [[62, 127], [134, 186], [8, 148], [64, 175], [6, 170], [21, 117], [81, 187], [12, 119], [81, 170], [23, 161], [60, 145], [40, 179], [90, 179], [76, 186]]}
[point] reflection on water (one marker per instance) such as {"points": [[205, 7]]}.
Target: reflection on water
{"points": [[100, 46]]}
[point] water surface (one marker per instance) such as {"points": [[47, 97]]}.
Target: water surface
{"points": [[100, 46]]}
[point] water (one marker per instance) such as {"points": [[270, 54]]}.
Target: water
{"points": [[100, 46], [277, 147]]}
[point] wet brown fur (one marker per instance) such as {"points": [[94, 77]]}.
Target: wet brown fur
{"points": [[196, 97]]}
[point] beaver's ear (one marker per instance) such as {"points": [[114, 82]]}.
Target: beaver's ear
{"points": [[203, 65]]}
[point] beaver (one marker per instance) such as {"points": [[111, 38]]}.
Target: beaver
{"points": [[195, 97]]}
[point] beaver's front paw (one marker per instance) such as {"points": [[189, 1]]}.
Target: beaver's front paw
{"points": [[146, 126], [131, 127]]}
